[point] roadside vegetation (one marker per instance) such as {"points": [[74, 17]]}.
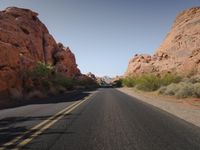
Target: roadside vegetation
{"points": [[150, 82], [189, 87], [43, 79], [168, 84]]}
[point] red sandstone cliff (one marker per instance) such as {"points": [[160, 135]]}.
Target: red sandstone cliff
{"points": [[25, 40], [179, 52]]}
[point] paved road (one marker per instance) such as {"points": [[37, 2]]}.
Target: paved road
{"points": [[107, 120]]}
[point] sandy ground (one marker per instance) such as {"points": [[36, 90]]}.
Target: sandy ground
{"points": [[187, 109]]}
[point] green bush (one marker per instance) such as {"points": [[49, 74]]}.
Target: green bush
{"points": [[148, 82], [168, 84], [170, 78], [43, 77], [129, 81], [60, 79], [41, 70]]}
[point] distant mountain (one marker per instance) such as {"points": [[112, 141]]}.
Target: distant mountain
{"points": [[179, 52]]}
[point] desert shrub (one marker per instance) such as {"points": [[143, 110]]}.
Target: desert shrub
{"points": [[170, 78], [162, 90], [185, 90], [38, 76], [171, 89], [61, 80], [181, 90], [194, 79], [46, 84], [148, 82], [43, 77], [129, 81], [41, 70], [197, 90]]}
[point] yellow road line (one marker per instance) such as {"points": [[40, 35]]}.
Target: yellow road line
{"points": [[26, 141], [47, 123], [35, 127]]}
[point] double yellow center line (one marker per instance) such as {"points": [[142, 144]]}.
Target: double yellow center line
{"points": [[41, 127]]}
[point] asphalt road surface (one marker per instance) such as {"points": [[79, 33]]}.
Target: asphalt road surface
{"points": [[105, 119]]}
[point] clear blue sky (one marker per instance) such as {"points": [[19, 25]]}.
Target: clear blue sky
{"points": [[105, 34]]}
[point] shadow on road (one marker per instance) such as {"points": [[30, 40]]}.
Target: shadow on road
{"points": [[8, 128], [11, 127], [63, 97]]}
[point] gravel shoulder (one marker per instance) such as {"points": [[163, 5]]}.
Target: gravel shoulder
{"points": [[186, 109]]}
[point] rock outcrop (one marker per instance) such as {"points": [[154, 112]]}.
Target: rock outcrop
{"points": [[179, 52], [25, 40], [65, 62]]}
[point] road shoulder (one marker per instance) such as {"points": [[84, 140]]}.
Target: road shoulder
{"points": [[189, 113]]}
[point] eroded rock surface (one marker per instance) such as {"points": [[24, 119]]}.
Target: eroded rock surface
{"points": [[25, 40], [179, 52]]}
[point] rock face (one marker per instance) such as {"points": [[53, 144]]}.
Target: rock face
{"points": [[65, 62], [179, 52], [24, 40]]}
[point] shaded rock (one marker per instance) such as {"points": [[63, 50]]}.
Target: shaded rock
{"points": [[35, 94], [15, 94]]}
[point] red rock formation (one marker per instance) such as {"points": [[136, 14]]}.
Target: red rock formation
{"points": [[178, 53], [66, 62], [25, 40]]}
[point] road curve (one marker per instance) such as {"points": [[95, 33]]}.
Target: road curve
{"points": [[111, 120]]}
